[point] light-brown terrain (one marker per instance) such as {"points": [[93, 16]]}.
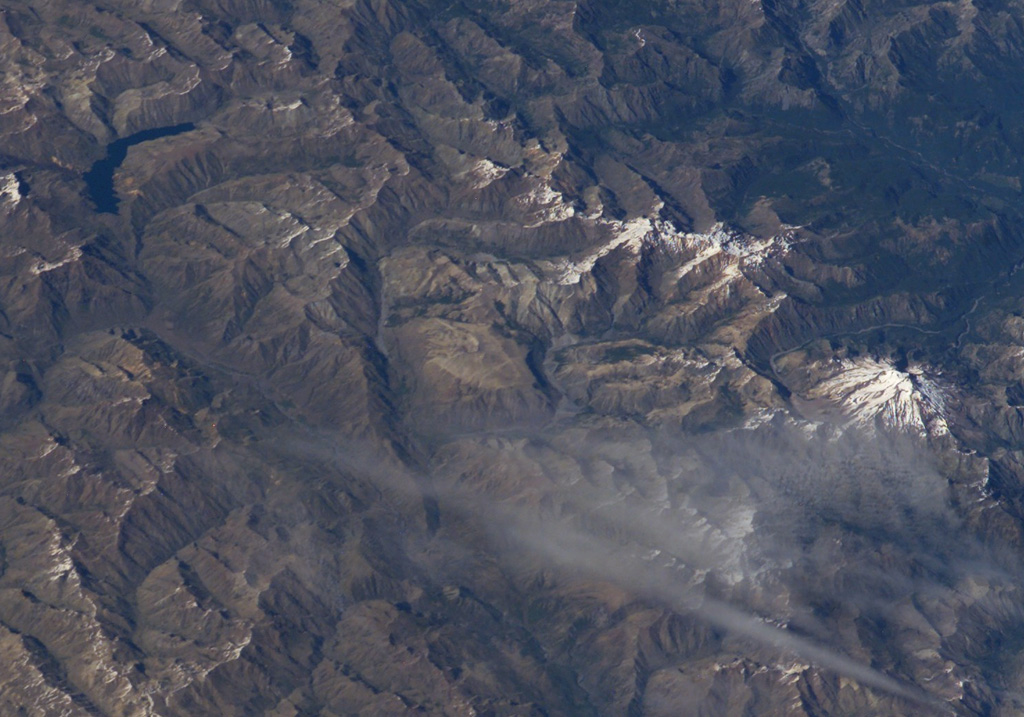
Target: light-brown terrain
{"points": [[512, 358]]}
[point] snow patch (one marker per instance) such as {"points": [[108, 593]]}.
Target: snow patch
{"points": [[485, 172], [10, 190], [743, 249], [760, 417], [547, 205], [286, 106], [629, 235], [869, 391], [740, 250], [44, 266]]}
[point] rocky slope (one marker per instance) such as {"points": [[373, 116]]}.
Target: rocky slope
{"points": [[547, 357]]}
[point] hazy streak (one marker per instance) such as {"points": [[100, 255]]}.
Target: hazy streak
{"points": [[578, 551], [556, 543]]}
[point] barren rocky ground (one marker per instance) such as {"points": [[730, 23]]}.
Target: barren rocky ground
{"points": [[544, 357]]}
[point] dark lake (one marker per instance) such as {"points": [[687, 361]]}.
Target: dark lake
{"points": [[100, 178]]}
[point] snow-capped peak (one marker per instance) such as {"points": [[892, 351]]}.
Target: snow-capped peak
{"points": [[869, 391]]}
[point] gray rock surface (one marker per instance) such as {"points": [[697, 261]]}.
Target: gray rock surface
{"points": [[512, 358]]}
